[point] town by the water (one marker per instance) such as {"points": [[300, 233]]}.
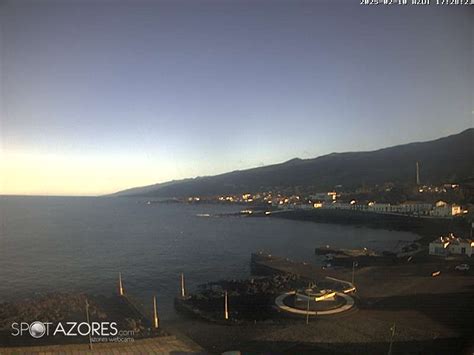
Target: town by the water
{"points": [[416, 298]]}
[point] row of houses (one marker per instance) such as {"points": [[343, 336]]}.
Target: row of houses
{"points": [[440, 209], [451, 245]]}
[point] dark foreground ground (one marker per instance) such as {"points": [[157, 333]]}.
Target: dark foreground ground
{"points": [[432, 315], [67, 307]]}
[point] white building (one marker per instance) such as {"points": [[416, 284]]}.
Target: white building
{"points": [[413, 207], [338, 206], [379, 207], [461, 246], [451, 245], [324, 196], [439, 246], [303, 206], [443, 209]]}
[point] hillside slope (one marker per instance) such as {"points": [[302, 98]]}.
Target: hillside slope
{"points": [[446, 159]]}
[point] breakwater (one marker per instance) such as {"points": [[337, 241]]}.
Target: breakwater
{"points": [[267, 264], [427, 228]]}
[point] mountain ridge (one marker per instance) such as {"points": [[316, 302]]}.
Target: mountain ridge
{"points": [[444, 159]]}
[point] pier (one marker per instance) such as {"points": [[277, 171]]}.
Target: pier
{"points": [[266, 264]]}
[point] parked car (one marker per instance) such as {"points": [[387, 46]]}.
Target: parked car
{"points": [[462, 267]]}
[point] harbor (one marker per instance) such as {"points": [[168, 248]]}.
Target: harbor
{"points": [[292, 306], [429, 314], [277, 286]]}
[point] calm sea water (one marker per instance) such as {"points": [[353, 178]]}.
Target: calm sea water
{"points": [[50, 244]]}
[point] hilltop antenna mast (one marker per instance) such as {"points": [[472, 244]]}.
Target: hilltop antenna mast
{"points": [[417, 174]]}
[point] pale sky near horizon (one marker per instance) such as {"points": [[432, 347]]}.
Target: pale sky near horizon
{"points": [[99, 96]]}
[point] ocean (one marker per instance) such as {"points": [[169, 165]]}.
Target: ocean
{"points": [[80, 244]]}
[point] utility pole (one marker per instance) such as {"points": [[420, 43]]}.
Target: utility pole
{"points": [[308, 292], [307, 312], [88, 322], [417, 174], [353, 271], [392, 329]]}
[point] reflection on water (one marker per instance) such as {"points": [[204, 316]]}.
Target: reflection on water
{"points": [[81, 243]]}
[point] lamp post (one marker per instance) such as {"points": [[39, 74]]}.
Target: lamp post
{"points": [[226, 306], [120, 284], [308, 292], [156, 322], [183, 292]]}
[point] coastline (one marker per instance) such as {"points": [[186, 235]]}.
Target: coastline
{"points": [[427, 228]]}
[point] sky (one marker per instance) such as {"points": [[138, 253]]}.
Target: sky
{"points": [[99, 96]]}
